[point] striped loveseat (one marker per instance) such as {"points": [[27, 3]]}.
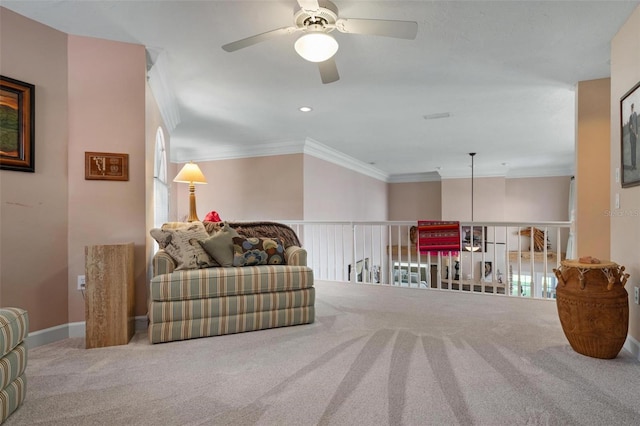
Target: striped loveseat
{"points": [[14, 327], [217, 300]]}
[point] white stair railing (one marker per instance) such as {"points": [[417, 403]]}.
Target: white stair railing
{"points": [[514, 259]]}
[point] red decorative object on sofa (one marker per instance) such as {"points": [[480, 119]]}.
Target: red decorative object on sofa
{"points": [[212, 216], [438, 236]]}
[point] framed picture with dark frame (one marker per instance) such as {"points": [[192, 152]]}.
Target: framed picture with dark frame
{"points": [[17, 124], [476, 243], [629, 161]]}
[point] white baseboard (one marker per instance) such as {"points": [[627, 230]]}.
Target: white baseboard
{"points": [[633, 346], [48, 335], [77, 329], [65, 331], [142, 323]]}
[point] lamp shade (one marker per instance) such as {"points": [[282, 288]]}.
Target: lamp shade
{"points": [[316, 46], [190, 173]]}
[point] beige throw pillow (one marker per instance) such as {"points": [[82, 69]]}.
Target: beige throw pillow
{"points": [[220, 245], [182, 245], [163, 235]]}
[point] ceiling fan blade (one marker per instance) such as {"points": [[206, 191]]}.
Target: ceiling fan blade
{"points": [[250, 41], [310, 5], [328, 71], [398, 29]]}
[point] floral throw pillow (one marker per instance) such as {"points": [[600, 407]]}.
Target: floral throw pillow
{"points": [[257, 251], [182, 245]]}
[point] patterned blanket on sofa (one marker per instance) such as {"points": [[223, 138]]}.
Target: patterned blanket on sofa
{"points": [[259, 230]]}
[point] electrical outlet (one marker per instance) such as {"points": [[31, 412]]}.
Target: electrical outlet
{"points": [[82, 283], [617, 201], [636, 295]]}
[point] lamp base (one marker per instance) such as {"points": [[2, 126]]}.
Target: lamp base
{"points": [[193, 215]]}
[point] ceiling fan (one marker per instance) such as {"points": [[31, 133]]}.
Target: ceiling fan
{"points": [[315, 19]]}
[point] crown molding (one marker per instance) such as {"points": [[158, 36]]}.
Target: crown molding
{"points": [[308, 147], [531, 172], [233, 152], [526, 172], [318, 150], [466, 173], [415, 177], [160, 84], [323, 152]]}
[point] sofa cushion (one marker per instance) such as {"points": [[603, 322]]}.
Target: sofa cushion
{"points": [[228, 324], [12, 397], [220, 245], [13, 364], [216, 282], [254, 251], [179, 310], [14, 327], [182, 245]]}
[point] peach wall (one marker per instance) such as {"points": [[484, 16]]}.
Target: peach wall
{"points": [[488, 199], [625, 223], [284, 187], [33, 206], [495, 199], [258, 188], [537, 199], [107, 83], [411, 200], [332, 192], [593, 129]]}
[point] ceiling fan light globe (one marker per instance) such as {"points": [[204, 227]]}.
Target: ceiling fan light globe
{"points": [[316, 46]]}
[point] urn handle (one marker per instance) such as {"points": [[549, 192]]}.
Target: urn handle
{"points": [[558, 273]]}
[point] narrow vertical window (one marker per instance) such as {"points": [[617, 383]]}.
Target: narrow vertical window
{"points": [[160, 185]]}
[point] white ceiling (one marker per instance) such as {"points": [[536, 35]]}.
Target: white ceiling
{"points": [[505, 71]]}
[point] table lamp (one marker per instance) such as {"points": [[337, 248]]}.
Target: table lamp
{"points": [[191, 174]]}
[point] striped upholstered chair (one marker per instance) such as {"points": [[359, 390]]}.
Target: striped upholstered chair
{"points": [[14, 327], [203, 299]]}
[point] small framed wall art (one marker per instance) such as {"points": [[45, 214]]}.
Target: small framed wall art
{"points": [[106, 166], [629, 161], [17, 115], [479, 240], [488, 270]]}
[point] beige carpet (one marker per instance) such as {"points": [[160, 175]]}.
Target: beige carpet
{"points": [[375, 356]]}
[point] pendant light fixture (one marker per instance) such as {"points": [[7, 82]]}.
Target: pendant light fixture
{"points": [[472, 154], [471, 246]]}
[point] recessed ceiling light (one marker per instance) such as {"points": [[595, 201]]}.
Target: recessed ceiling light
{"points": [[305, 109]]}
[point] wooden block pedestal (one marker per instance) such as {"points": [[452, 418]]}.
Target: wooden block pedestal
{"points": [[110, 295]]}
